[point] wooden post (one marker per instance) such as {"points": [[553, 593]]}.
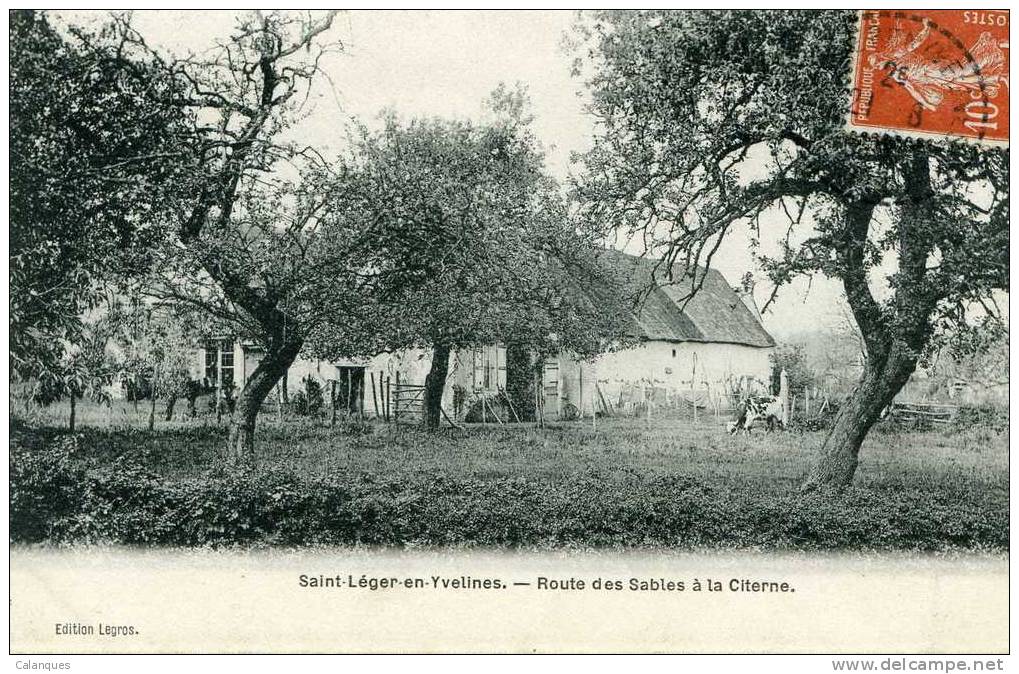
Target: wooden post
{"points": [[451, 422], [539, 403], [389, 381], [349, 389], [375, 400], [580, 367], [509, 403], [484, 404], [332, 399], [152, 399], [396, 414]]}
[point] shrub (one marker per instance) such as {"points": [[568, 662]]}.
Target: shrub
{"points": [[309, 401], [63, 493], [989, 417]]}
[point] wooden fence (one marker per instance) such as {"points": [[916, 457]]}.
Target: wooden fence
{"points": [[937, 413]]}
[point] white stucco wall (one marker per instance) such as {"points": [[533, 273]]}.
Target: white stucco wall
{"points": [[684, 364]]}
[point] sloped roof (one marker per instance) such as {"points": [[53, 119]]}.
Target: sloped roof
{"points": [[715, 313]]}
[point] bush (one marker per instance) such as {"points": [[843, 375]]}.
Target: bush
{"points": [[309, 401], [982, 416], [63, 494]]}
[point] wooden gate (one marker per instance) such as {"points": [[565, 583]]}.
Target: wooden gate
{"points": [[408, 400]]}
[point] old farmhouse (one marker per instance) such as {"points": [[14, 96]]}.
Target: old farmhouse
{"points": [[694, 352]]}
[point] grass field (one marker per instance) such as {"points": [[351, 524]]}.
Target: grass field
{"points": [[936, 489]]}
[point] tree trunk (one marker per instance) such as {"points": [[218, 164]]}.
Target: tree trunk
{"points": [[170, 403], [894, 334], [882, 379], [258, 386], [152, 413], [70, 423], [435, 383]]}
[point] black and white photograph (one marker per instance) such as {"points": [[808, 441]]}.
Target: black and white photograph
{"points": [[510, 331]]}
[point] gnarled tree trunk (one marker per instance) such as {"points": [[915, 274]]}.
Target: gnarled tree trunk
{"points": [[435, 384], [258, 386], [883, 377], [894, 335]]}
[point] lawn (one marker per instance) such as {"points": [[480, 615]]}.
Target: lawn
{"points": [[627, 482]]}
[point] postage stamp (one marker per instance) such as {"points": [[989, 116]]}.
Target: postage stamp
{"points": [[932, 73]]}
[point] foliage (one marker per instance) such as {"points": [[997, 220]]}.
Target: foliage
{"points": [[989, 417], [521, 378], [793, 361], [689, 100], [155, 342], [469, 241], [309, 400], [57, 497], [92, 147], [632, 485]]}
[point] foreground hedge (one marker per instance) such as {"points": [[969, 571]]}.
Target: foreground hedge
{"points": [[59, 495]]}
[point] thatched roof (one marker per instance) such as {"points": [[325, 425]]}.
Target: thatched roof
{"points": [[715, 313]]}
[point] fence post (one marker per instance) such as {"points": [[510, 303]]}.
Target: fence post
{"points": [[539, 399], [332, 400], [396, 414], [375, 400], [389, 398]]}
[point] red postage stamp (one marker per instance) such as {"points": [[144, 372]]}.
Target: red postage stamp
{"points": [[932, 73]]}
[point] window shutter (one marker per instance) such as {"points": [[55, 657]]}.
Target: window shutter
{"points": [[479, 369], [500, 359]]}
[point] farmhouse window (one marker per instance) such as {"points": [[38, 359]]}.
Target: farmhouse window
{"points": [[211, 364], [489, 368], [219, 363]]}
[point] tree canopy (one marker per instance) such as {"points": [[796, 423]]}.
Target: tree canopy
{"points": [[468, 242], [93, 176]]}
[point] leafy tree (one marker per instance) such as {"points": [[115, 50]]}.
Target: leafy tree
{"points": [[244, 247], [157, 342], [91, 175], [709, 121], [470, 245]]}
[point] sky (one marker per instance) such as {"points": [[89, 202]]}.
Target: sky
{"points": [[445, 64]]}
